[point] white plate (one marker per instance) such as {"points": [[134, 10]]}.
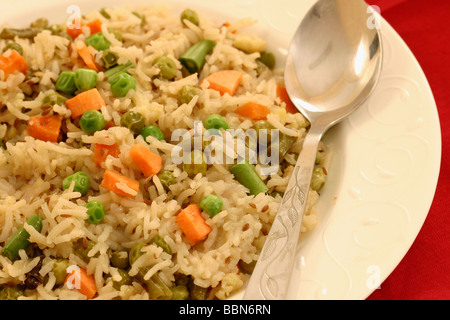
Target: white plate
{"points": [[386, 155]]}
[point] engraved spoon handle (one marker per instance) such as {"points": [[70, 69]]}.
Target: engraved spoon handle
{"points": [[270, 278]]}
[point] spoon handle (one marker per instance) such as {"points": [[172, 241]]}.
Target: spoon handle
{"points": [[270, 278]]}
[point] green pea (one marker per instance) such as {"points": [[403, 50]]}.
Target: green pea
{"points": [[135, 252], [109, 59], [215, 121], [60, 270], [133, 121], [261, 125], [179, 293], [167, 67], [85, 79], [81, 180], [268, 59], [182, 279], [318, 179], [186, 94], [55, 29], [211, 204], [11, 293], [95, 211], [160, 242], [14, 46], [98, 41], [82, 247], [66, 82], [125, 281], [153, 131], [195, 164], [117, 34], [92, 121], [167, 179], [191, 16], [119, 259], [53, 98], [121, 84]]}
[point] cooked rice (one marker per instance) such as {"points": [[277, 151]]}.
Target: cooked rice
{"points": [[32, 171]]}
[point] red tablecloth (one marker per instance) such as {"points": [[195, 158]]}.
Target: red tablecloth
{"points": [[424, 273]]}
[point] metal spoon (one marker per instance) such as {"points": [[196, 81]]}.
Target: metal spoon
{"points": [[333, 65]]}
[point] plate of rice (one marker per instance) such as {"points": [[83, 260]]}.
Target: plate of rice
{"points": [[145, 149]]}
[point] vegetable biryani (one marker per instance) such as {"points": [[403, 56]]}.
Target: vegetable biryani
{"points": [[107, 190]]}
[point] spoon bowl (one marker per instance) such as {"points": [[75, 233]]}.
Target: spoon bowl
{"points": [[333, 65]]}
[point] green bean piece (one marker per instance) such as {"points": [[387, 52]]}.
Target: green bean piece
{"points": [[60, 270], [157, 289], [109, 59], [195, 164], [179, 293], [85, 79], [104, 13], [92, 121], [11, 293], [82, 182], [211, 204], [111, 73], [216, 121], [135, 252], [318, 179], [82, 247], [140, 16], [53, 98], [95, 211], [153, 131], [191, 16], [247, 267], [66, 82], [194, 58], [160, 242], [122, 84], [133, 121], [40, 24], [167, 67], [11, 33], [119, 259], [14, 46], [285, 143], [19, 240], [125, 281], [98, 41], [196, 292], [167, 179], [186, 94], [246, 174], [268, 59]]}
